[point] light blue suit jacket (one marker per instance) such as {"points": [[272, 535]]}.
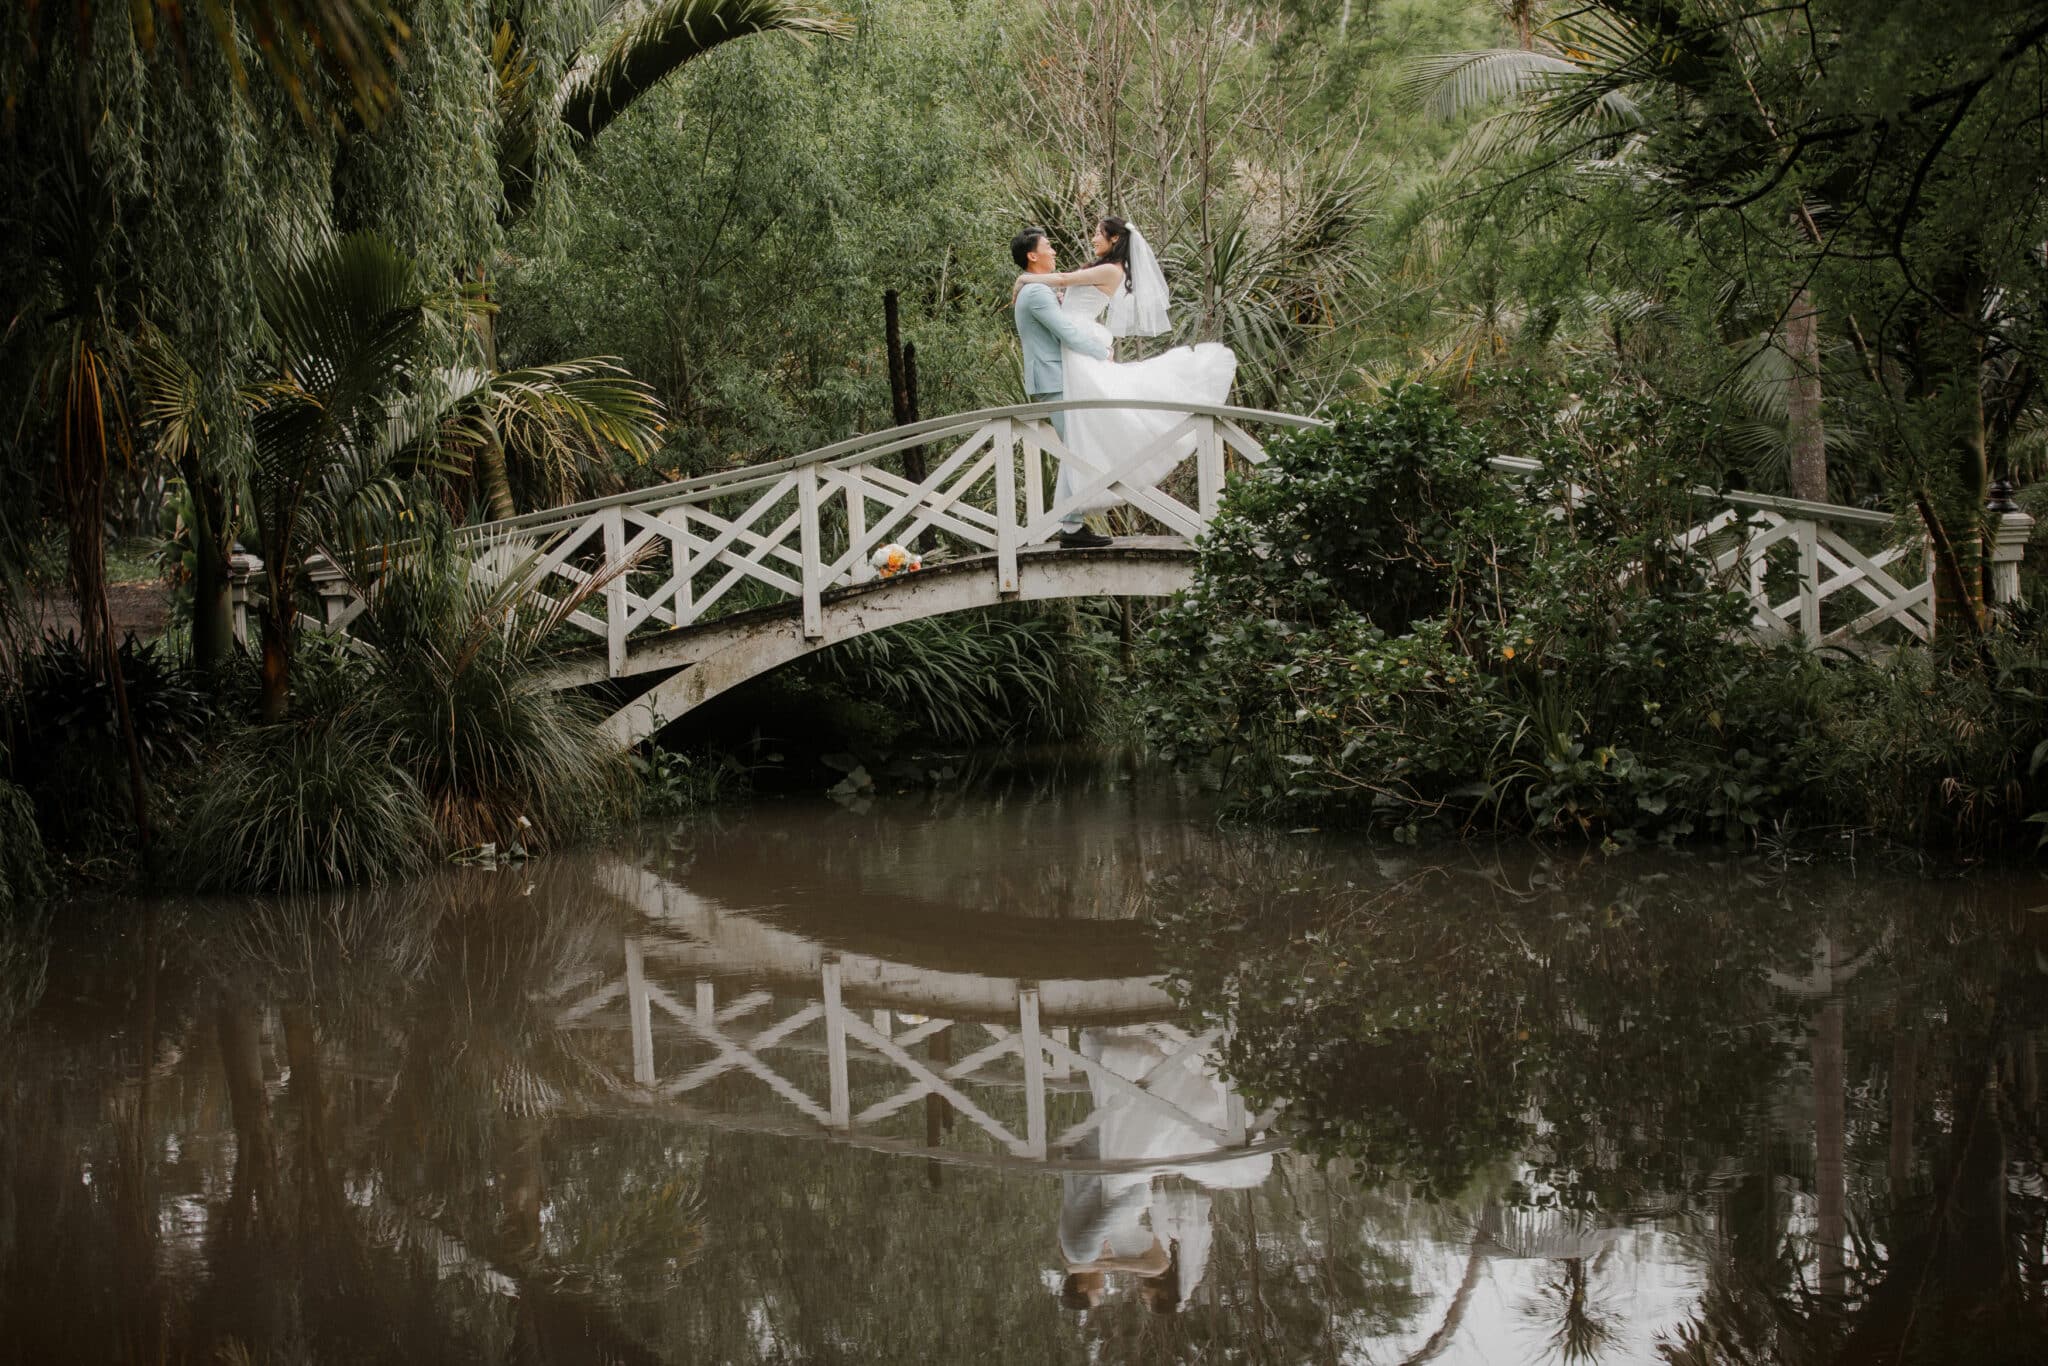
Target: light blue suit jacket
{"points": [[1042, 328]]}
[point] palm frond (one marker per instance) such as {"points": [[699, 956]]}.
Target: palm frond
{"points": [[1447, 84], [168, 394], [667, 35]]}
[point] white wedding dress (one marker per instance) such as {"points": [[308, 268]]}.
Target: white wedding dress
{"points": [[1116, 439]]}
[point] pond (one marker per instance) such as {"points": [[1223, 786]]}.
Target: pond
{"points": [[1050, 1069]]}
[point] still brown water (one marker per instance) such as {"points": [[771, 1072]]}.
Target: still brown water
{"points": [[1054, 1070]]}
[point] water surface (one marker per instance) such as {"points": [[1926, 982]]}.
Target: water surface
{"points": [[1053, 1071]]}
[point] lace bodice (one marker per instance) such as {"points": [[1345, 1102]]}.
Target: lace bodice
{"points": [[1084, 301]]}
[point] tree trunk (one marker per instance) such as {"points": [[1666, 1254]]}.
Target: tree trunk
{"points": [[1830, 1131], [496, 481], [254, 1195], [892, 343], [277, 665], [1803, 401], [213, 610], [1904, 1097], [913, 458], [1952, 360]]}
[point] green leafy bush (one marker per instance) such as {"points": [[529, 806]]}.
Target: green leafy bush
{"points": [[67, 751], [456, 683], [24, 868], [977, 677], [1385, 630], [1948, 752]]}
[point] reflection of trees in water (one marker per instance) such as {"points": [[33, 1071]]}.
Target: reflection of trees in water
{"points": [[1653, 1046], [347, 1129], [316, 1131], [1572, 1325]]}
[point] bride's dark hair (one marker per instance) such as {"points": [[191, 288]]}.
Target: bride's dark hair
{"points": [[1119, 254]]}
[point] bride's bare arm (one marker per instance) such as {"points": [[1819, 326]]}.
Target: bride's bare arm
{"points": [[1104, 277]]}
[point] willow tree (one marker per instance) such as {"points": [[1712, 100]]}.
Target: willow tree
{"points": [[210, 149]]}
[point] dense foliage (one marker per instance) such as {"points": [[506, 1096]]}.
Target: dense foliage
{"points": [[1385, 629], [296, 278]]}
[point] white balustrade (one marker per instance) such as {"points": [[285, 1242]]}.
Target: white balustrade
{"points": [[804, 528]]}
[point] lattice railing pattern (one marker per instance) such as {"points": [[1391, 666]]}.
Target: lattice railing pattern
{"points": [[756, 1035], [1818, 573], [798, 529]]}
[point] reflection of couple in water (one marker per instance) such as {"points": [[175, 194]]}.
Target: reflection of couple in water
{"points": [[1118, 1222]]}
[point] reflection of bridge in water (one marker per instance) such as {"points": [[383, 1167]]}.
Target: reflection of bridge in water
{"points": [[706, 994]]}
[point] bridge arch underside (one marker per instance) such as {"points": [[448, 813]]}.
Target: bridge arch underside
{"points": [[705, 661]]}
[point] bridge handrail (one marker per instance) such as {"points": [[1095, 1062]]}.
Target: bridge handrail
{"points": [[910, 434], [1763, 502]]}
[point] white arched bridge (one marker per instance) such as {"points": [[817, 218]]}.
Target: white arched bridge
{"points": [[702, 584]]}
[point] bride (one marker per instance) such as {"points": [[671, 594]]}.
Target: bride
{"points": [[1122, 293]]}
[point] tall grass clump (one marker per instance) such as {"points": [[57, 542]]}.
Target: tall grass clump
{"points": [[67, 752], [432, 731], [303, 804], [457, 685], [24, 865], [1945, 752]]}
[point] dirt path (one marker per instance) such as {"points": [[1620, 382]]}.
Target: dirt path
{"points": [[143, 608]]}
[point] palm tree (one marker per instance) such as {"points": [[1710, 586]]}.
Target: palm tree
{"points": [[543, 421], [353, 403], [350, 326]]}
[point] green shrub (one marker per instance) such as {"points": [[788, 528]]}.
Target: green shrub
{"points": [[977, 677], [67, 751], [298, 806], [1383, 630], [1942, 750], [672, 784], [24, 868]]}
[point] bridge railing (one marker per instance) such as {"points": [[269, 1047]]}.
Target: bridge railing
{"points": [[802, 527], [799, 528], [1823, 573]]}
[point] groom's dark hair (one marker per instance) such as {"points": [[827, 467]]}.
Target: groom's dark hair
{"points": [[1023, 244]]}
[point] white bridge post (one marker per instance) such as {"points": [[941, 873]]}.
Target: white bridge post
{"points": [[1004, 447], [1809, 581], [679, 518], [1032, 1050], [2008, 543], [614, 593], [858, 571], [637, 1012], [814, 567], [835, 1043], [1208, 470]]}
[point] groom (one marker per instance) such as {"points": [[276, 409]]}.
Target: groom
{"points": [[1041, 327]]}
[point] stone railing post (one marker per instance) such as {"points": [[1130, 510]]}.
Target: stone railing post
{"points": [[244, 571], [2009, 534]]}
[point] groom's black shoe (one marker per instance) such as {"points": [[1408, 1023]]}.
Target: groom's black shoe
{"points": [[1084, 539]]}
